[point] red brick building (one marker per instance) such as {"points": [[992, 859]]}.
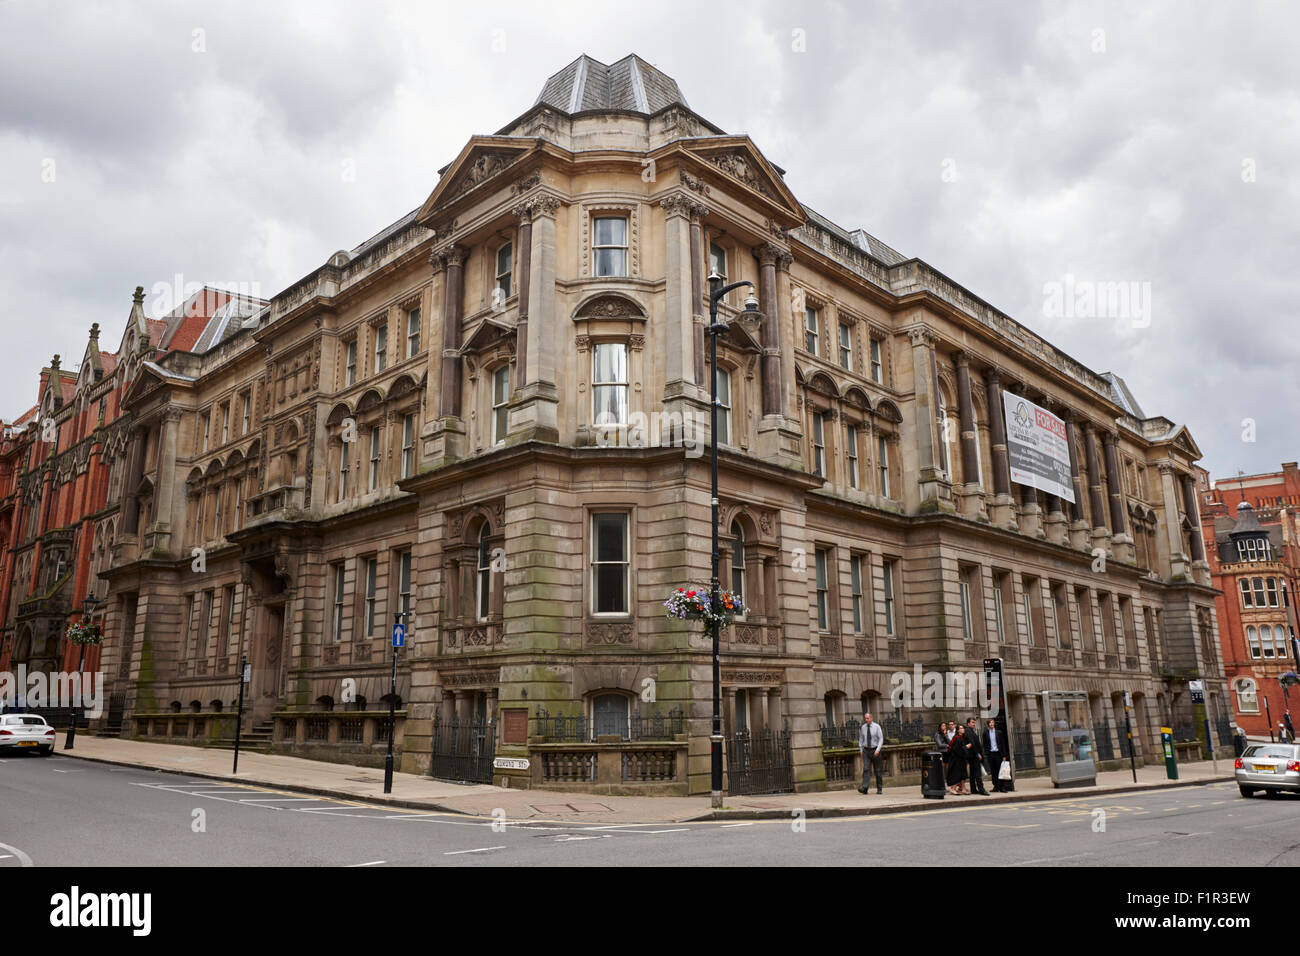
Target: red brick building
{"points": [[58, 514], [1252, 534]]}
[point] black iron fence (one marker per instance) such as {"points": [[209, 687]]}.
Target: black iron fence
{"points": [[759, 762], [897, 730], [463, 750], [1223, 728], [1105, 748], [1186, 732], [1022, 749], [562, 728]]}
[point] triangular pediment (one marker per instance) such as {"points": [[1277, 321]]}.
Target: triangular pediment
{"points": [[486, 336], [736, 160], [484, 158]]}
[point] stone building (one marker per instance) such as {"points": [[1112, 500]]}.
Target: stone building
{"points": [[1252, 534], [487, 418]]}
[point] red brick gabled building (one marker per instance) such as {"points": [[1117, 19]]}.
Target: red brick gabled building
{"points": [[1252, 534], [58, 504]]}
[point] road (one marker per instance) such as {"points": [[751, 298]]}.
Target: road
{"points": [[58, 812]]}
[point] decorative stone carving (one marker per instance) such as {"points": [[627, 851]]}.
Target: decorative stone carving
{"points": [[738, 166], [693, 184], [482, 169], [469, 679], [748, 634], [753, 677], [527, 183], [610, 633], [610, 307]]}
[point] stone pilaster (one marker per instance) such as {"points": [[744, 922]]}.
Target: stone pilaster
{"points": [[779, 438], [683, 396], [1200, 567], [1096, 503], [1179, 563], [535, 413], [1078, 526], [970, 497], [1002, 508], [928, 476], [1121, 541]]}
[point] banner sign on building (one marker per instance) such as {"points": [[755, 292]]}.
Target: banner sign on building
{"points": [[1037, 449]]}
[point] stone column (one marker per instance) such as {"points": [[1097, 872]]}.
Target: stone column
{"points": [[1200, 567], [929, 477], [1179, 563], [1121, 541], [1078, 526], [970, 498], [1054, 525], [779, 438], [768, 254], [1002, 510], [169, 507], [1031, 515], [1100, 533], [449, 399], [134, 472], [535, 414], [524, 213], [447, 438], [698, 317], [681, 396]]}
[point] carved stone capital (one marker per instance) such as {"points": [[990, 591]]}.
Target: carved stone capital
{"points": [[693, 184], [769, 254], [921, 336]]}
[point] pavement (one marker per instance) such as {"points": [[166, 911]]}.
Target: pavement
{"points": [[416, 792]]}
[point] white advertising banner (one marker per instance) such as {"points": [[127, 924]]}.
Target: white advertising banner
{"points": [[1037, 449]]}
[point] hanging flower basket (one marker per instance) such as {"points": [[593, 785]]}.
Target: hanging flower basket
{"points": [[692, 604], [1290, 678], [84, 632]]}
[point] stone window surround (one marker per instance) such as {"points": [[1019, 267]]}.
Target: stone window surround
{"points": [[611, 206], [629, 330], [611, 506]]}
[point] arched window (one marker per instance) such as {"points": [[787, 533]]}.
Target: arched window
{"points": [[738, 560], [1271, 584], [1247, 698], [1266, 639], [1252, 638], [1259, 592], [484, 589], [344, 453], [724, 406], [1246, 599]]}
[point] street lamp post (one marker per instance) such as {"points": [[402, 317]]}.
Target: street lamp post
{"points": [[399, 638], [87, 609], [750, 315]]}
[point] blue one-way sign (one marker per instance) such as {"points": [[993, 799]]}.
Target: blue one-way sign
{"points": [[399, 635]]}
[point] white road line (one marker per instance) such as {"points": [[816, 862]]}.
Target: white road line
{"points": [[281, 800], [23, 858], [1003, 826], [479, 850], [371, 863], [727, 826]]}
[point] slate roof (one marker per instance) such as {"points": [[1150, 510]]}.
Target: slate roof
{"points": [[629, 84]]}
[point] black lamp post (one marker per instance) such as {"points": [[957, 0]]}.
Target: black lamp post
{"points": [[750, 316], [87, 610]]}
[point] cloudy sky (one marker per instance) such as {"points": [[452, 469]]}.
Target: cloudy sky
{"points": [[1032, 152]]}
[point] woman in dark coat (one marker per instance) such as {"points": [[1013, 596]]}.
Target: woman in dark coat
{"points": [[957, 762], [941, 740]]}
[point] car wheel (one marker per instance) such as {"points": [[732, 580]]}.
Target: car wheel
{"points": [[45, 751], [1246, 791]]}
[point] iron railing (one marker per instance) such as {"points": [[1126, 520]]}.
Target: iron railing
{"points": [[562, 728], [463, 750], [1186, 732], [1101, 735], [760, 762], [1022, 748]]}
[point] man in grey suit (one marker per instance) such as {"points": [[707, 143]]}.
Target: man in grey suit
{"points": [[870, 739]]}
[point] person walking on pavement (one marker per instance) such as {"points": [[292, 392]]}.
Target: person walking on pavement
{"points": [[975, 758], [994, 742], [871, 737]]}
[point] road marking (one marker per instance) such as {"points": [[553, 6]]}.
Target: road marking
{"points": [[1050, 859], [282, 800], [727, 826], [23, 858], [1004, 826], [371, 863], [479, 850]]}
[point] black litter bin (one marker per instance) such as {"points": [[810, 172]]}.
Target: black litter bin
{"points": [[933, 783]]}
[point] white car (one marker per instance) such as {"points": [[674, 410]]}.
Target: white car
{"points": [[26, 732]]}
